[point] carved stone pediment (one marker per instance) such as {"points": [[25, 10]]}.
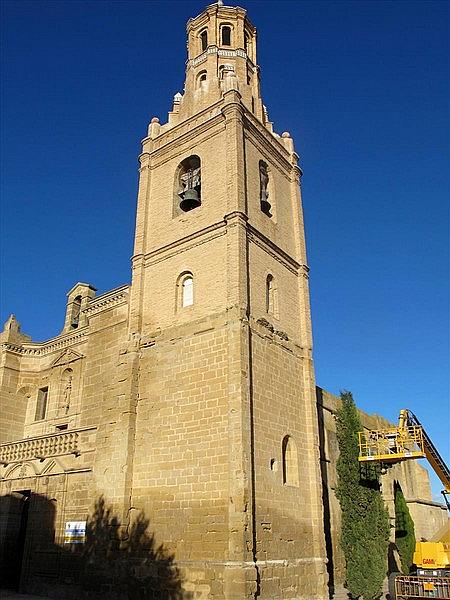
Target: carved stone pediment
{"points": [[67, 357], [21, 471]]}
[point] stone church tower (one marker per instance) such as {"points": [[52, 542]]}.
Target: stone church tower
{"points": [[226, 427], [183, 406], [190, 394]]}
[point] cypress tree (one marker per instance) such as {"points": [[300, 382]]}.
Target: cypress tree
{"points": [[365, 520], [405, 539]]}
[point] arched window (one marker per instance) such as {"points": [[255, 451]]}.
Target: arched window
{"points": [[226, 35], [188, 184], [185, 290], [201, 79], [204, 39], [290, 462], [264, 188], [76, 310], [226, 70]]}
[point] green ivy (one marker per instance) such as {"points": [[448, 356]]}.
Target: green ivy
{"points": [[365, 520]]}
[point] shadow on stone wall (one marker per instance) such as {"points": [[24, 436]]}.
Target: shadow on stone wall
{"points": [[126, 562], [327, 526], [117, 562], [14, 509]]}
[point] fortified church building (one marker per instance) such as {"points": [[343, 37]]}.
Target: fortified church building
{"points": [[188, 396]]}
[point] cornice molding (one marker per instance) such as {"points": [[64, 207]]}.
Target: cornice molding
{"points": [[106, 301], [201, 236], [259, 239], [44, 348], [109, 300], [267, 140], [177, 133], [224, 53], [183, 147]]}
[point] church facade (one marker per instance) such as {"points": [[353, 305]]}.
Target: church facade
{"points": [[186, 401]]}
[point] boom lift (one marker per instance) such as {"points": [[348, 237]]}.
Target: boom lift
{"points": [[409, 440]]}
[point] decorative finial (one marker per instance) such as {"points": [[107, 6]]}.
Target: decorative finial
{"points": [[219, 2]]}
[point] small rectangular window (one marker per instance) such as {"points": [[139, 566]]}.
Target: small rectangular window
{"points": [[62, 427], [41, 405]]}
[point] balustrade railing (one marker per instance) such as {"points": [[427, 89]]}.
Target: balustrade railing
{"points": [[54, 444]]}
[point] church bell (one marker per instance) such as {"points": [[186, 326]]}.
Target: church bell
{"points": [[189, 199], [265, 204]]}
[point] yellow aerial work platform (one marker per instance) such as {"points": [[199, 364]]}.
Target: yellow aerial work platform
{"points": [[407, 440], [391, 445]]}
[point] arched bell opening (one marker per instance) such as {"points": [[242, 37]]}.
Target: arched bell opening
{"points": [[76, 311], [266, 207], [225, 35], [188, 183], [203, 40]]}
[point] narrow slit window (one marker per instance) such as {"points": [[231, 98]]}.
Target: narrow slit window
{"points": [[204, 40], [187, 291], [41, 405], [266, 207], [270, 300], [246, 41], [226, 36], [290, 462]]}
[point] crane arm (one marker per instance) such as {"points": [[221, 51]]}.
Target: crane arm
{"points": [[432, 455]]}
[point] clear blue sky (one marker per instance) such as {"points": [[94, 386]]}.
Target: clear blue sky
{"points": [[363, 89]]}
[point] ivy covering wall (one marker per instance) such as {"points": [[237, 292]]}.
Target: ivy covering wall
{"points": [[365, 520]]}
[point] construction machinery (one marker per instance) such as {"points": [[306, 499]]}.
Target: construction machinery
{"points": [[430, 576]]}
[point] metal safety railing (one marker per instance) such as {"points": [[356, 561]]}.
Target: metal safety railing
{"points": [[391, 445], [407, 587]]}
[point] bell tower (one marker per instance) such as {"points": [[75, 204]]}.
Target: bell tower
{"points": [[226, 461], [221, 45]]}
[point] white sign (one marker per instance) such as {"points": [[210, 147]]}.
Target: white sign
{"points": [[75, 532]]}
